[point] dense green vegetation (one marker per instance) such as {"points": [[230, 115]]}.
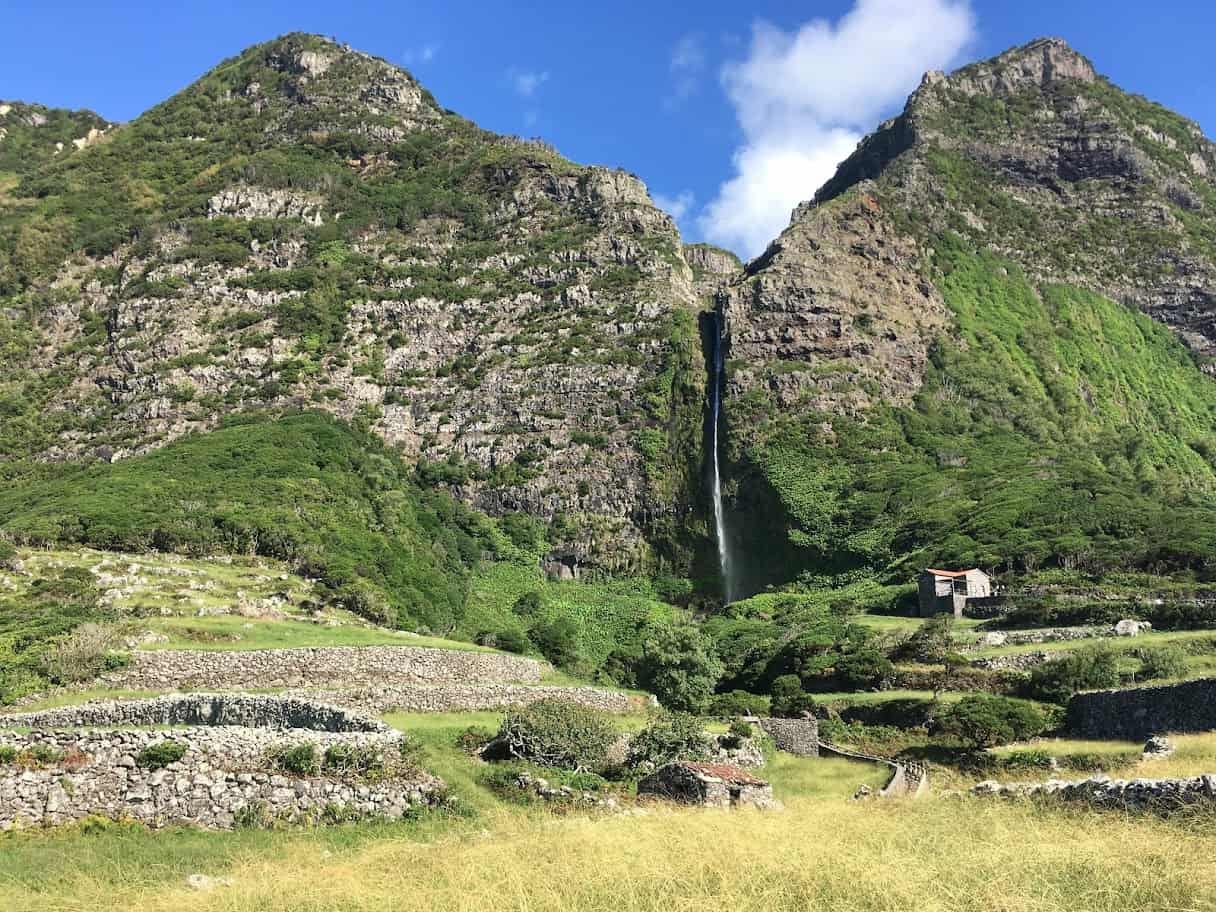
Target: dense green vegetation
{"points": [[1037, 441], [332, 501]]}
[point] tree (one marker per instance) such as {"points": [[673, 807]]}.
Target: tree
{"points": [[529, 604], [1084, 669], [557, 640], [679, 666], [864, 667], [789, 699], [952, 664], [986, 720]]}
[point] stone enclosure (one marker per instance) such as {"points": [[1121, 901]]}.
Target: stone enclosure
{"points": [[721, 785], [226, 775]]}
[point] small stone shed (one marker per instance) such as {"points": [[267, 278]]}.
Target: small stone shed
{"points": [[721, 785], [953, 591]]}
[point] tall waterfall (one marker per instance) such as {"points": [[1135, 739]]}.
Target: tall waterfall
{"points": [[715, 400]]}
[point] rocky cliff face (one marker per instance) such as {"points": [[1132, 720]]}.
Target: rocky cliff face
{"points": [[1036, 155], [305, 227]]}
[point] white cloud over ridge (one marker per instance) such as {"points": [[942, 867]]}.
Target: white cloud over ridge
{"points": [[676, 206], [805, 98]]}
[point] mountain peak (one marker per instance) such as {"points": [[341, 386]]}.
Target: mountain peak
{"points": [[1042, 62]]}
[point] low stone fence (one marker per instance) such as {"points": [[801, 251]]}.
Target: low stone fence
{"points": [[1018, 661], [794, 736], [272, 668], [224, 778], [1162, 795], [460, 697], [219, 709], [908, 779], [1136, 713]]}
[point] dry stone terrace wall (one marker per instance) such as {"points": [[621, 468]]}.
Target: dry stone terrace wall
{"points": [[457, 697], [1136, 713], [223, 776], [307, 667], [248, 710]]}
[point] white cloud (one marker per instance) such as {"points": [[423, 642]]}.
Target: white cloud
{"points": [[526, 82], [424, 54], [804, 98], [676, 206], [687, 66]]}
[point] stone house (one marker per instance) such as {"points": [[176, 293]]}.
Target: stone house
{"points": [[721, 785], [952, 591]]}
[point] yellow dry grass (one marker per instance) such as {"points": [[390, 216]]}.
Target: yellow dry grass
{"points": [[931, 856]]}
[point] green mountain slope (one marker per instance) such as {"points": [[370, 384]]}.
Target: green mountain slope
{"points": [[305, 226], [962, 373]]}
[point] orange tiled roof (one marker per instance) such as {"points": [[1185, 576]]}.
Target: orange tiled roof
{"points": [[952, 573]]}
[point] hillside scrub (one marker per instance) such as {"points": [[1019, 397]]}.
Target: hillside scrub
{"points": [[307, 489]]}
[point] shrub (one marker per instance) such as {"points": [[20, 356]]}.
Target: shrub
{"points": [[1027, 759], [353, 760], [8, 754], [474, 738], [557, 640], [1162, 662], [512, 640], [789, 699], [985, 720], [740, 729], [680, 666], [1091, 762], [301, 760], [668, 737], [161, 754], [1083, 669], [739, 703], [82, 655], [556, 733]]}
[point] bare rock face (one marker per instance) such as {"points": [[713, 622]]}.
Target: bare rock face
{"points": [[258, 203], [835, 315]]}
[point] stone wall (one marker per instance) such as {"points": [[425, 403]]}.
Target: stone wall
{"points": [[171, 669], [1162, 795], [1142, 711], [223, 777], [794, 736], [248, 710], [456, 697]]}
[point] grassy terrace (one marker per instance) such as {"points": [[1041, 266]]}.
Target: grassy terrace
{"points": [[232, 632]]}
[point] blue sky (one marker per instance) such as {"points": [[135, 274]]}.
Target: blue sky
{"points": [[730, 112]]}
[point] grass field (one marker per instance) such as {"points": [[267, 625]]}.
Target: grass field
{"points": [[227, 632], [929, 856]]}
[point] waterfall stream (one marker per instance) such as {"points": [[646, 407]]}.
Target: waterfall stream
{"points": [[715, 400]]}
